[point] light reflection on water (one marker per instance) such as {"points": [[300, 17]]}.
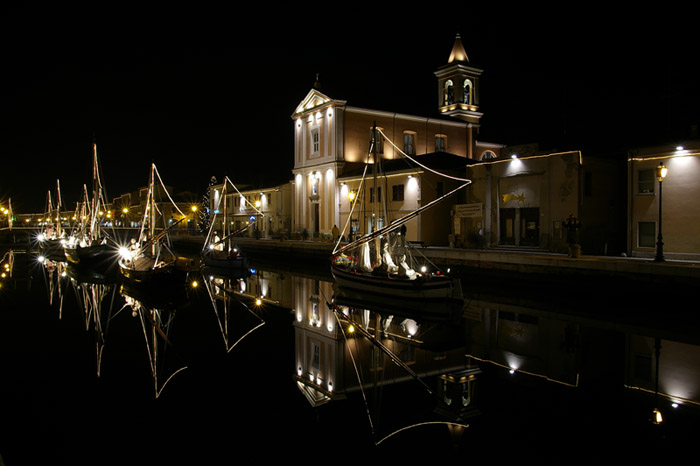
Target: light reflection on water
{"points": [[98, 370]]}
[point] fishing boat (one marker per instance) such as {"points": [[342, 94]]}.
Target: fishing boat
{"points": [[52, 238], [377, 264], [89, 245], [221, 252], [149, 260]]}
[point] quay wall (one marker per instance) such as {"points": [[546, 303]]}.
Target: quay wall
{"points": [[519, 264], [503, 262]]}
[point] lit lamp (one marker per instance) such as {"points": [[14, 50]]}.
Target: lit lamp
{"points": [[351, 195], [656, 417], [661, 172]]}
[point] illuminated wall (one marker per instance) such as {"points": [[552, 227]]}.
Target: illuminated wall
{"points": [[680, 222], [545, 187], [332, 139]]}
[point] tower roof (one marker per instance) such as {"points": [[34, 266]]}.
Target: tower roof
{"points": [[458, 52]]}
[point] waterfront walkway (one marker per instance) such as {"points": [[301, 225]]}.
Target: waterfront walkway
{"points": [[520, 261]]}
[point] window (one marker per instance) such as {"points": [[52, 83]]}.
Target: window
{"points": [[646, 234], [409, 143], [440, 142], [397, 192], [646, 181], [316, 355], [467, 92], [488, 155], [315, 141], [379, 194], [448, 97]]}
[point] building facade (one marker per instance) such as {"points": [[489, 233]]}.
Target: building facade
{"points": [[524, 202], [261, 212], [333, 139], [667, 207]]}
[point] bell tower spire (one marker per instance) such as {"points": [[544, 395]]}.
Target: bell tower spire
{"points": [[458, 86]]}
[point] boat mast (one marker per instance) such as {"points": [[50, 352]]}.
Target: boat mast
{"points": [[58, 209], [150, 206], [96, 198], [377, 242]]}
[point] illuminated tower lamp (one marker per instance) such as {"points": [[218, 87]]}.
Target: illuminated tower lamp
{"points": [[661, 172]]}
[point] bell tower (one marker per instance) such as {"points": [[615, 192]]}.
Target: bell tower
{"points": [[458, 86]]}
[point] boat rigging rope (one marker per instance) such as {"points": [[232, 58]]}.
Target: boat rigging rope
{"points": [[166, 191], [420, 164], [352, 209], [357, 373]]}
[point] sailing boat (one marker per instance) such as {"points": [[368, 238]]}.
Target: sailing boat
{"points": [[51, 238], [149, 260], [222, 253], [379, 273], [89, 245]]}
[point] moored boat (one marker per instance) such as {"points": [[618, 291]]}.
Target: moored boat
{"points": [[149, 260], [381, 262], [223, 252]]}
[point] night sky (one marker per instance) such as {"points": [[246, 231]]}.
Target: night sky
{"points": [[200, 95]]}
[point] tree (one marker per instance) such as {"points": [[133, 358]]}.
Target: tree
{"points": [[204, 214]]}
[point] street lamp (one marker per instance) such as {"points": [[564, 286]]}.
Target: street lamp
{"points": [[661, 172]]}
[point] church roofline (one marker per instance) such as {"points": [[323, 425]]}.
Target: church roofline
{"points": [[458, 53], [406, 116], [314, 100]]}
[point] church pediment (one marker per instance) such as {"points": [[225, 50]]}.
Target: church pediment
{"points": [[313, 99]]}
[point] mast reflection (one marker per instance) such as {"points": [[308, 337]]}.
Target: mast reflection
{"points": [[95, 298], [235, 318], [157, 311]]}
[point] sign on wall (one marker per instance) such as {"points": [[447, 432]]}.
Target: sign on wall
{"points": [[469, 210]]}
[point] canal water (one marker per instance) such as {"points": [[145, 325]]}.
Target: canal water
{"points": [[97, 373]]}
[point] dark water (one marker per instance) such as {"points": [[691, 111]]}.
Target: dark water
{"points": [[77, 387]]}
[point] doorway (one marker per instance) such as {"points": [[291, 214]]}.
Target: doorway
{"points": [[520, 227], [530, 226], [508, 223], [316, 219]]}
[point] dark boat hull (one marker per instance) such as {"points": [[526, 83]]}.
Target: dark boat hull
{"points": [[144, 273], [99, 254], [431, 310], [423, 289], [239, 262], [52, 250]]}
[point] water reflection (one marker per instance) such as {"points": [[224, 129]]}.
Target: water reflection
{"points": [[157, 325], [96, 300], [235, 318], [392, 376]]}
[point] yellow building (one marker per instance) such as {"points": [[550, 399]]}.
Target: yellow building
{"points": [[667, 207], [331, 139], [261, 212]]}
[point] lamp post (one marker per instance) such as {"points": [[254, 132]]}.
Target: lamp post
{"points": [[661, 172]]}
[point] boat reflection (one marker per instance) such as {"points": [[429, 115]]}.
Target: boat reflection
{"points": [[348, 348], [7, 265], [157, 323], [389, 376], [96, 299], [404, 367], [56, 279], [235, 318]]}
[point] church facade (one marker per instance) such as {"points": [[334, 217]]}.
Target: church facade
{"points": [[333, 141]]}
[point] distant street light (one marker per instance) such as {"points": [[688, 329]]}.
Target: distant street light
{"points": [[661, 172]]}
